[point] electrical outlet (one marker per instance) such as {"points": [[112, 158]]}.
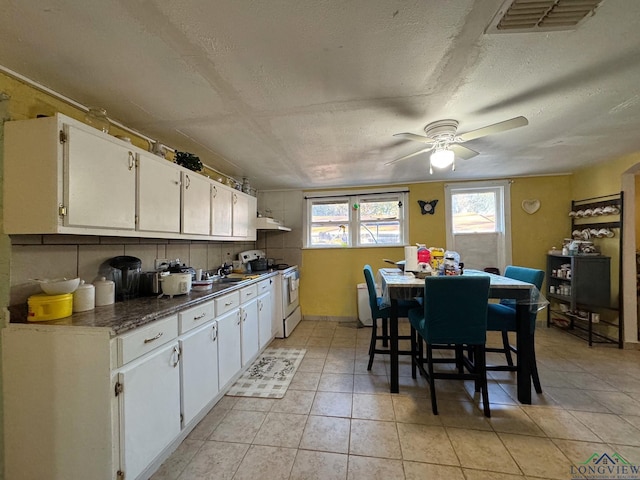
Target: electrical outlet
{"points": [[160, 261]]}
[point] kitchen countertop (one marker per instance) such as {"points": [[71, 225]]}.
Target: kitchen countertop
{"points": [[121, 317]]}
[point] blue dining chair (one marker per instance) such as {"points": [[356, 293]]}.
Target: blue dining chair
{"points": [[378, 312], [502, 318], [453, 317]]}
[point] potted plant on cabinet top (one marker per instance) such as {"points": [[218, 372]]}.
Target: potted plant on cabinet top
{"points": [[188, 160]]}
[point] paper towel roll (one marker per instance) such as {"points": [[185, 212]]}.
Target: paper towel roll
{"points": [[410, 259]]}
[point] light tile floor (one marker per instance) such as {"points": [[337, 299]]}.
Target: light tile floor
{"points": [[339, 421]]}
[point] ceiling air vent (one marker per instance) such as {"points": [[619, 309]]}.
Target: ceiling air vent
{"points": [[541, 15]]}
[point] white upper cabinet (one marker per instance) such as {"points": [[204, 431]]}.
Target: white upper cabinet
{"points": [[100, 183], [244, 215], [62, 176], [196, 204], [221, 210], [158, 194]]}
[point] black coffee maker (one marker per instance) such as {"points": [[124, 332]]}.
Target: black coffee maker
{"points": [[125, 272]]}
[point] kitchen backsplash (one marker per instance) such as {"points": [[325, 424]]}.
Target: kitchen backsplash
{"points": [[51, 256]]}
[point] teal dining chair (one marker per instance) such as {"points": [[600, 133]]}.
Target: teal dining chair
{"points": [[379, 312], [453, 317], [501, 317]]}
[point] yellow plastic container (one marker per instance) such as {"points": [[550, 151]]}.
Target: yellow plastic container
{"points": [[437, 257], [44, 307]]}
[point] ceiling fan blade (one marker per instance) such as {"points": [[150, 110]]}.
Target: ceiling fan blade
{"points": [[428, 149], [463, 152], [495, 128], [415, 138]]}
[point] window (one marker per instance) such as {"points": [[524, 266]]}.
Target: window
{"points": [[474, 211], [478, 222], [364, 219]]}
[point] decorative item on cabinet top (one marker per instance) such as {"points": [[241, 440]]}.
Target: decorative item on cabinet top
{"points": [[188, 160]]}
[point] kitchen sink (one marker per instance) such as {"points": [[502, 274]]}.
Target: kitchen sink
{"points": [[229, 280]]}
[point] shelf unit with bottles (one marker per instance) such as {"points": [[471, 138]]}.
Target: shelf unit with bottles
{"points": [[579, 286]]}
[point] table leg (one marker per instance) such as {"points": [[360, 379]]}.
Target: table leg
{"points": [[393, 333], [524, 345]]}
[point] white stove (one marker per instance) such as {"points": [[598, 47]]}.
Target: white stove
{"points": [[287, 303], [288, 308]]}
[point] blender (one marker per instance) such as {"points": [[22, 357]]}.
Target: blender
{"points": [[125, 272]]}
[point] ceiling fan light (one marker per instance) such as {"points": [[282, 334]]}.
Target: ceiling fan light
{"points": [[442, 158]]}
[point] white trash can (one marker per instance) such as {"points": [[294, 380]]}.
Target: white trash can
{"points": [[364, 309]]}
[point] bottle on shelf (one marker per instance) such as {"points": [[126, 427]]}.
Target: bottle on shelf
{"points": [[97, 118]]}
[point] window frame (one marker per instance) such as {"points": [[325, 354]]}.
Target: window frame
{"points": [[356, 197], [503, 212]]}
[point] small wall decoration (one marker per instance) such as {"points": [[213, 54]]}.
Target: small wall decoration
{"points": [[428, 207], [531, 206]]}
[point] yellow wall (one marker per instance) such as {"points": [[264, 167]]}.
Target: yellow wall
{"points": [[330, 276], [605, 179]]}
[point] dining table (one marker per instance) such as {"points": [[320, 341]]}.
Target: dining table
{"points": [[397, 285]]}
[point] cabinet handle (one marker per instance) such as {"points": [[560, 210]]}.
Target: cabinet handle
{"points": [[214, 192], [176, 356], [214, 332], [239, 317], [187, 182], [228, 304], [132, 161], [261, 305], [149, 340], [235, 198], [248, 294], [198, 317]]}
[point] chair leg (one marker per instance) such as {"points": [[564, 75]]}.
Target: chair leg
{"points": [[459, 354], [507, 347], [481, 368], [432, 382], [414, 352], [534, 371], [385, 333], [372, 344]]}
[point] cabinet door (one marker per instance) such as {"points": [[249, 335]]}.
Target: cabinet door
{"points": [[244, 216], [149, 408], [229, 359], [196, 204], [158, 195], [100, 181], [199, 370], [250, 335], [221, 208], [276, 297], [265, 319]]}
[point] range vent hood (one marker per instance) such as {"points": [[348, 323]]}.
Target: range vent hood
{"points": [[267, 223]]}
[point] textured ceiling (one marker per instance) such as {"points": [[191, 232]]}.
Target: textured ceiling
{"points": [[308, 93]]}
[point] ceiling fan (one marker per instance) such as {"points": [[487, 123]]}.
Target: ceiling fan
{"points": [[441, 138]]}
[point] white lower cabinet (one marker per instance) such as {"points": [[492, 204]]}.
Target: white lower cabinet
{"points": [[94, 406], [229, 356], [249, 323], [199, 369], [149, 408], [265, 312]]}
